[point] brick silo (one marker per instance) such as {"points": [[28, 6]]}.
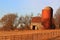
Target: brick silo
{"points": [[47, 15]]}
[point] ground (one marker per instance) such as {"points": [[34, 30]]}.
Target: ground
{"points": [[30, 35]]}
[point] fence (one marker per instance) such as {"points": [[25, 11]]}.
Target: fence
{"points": [[30, 35]]}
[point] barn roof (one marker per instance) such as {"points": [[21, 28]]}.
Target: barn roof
{"points": [[36, 19]]}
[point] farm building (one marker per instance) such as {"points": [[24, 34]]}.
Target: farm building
{"points": [[36, 23], [45, 21]]}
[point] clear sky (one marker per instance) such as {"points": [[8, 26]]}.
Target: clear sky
{"points": [[23, 7]]}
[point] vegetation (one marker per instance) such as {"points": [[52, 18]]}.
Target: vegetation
{"points": [[12, 21], [57, 18]]}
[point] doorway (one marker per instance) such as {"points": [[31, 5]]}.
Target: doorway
{"points": [[33, 27]]}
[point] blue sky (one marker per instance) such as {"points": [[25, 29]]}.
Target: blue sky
{"points": [[23, 7]]}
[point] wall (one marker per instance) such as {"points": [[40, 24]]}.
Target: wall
{"points": [[38, 25]]}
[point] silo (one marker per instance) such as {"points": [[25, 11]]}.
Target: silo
{"points": [[47, 15]]}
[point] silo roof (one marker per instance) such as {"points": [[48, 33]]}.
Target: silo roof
{"points": [[48, 8]]}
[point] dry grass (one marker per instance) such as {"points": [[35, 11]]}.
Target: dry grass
{"points": [[30, 35]]}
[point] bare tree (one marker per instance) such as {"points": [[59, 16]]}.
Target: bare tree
{"points": [[57, 18], [21, 24], [8, 21], [39, 14], [28, 21], [24, 22]]}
